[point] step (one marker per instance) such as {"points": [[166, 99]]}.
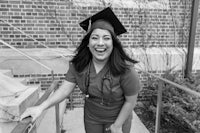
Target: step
{"points": [[73, 122], [24, 80], [12, 107], [16, 106], [23, 65], [21, 80], [9, 74], [6, 72], [9, 86]]}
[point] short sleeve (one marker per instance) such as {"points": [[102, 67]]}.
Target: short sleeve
{"points": [[130, 82], [70, 76]]}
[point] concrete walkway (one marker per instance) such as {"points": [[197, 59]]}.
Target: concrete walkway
{"points": [[73, 122]]}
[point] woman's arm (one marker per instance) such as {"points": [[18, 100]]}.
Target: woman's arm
{"points": [[131, 86], [64, 90], [127, 108]]}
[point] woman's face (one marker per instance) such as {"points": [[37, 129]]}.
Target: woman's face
{"points": [[100, 44]]}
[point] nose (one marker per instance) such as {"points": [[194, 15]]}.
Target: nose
{"points": [[101, 42]]}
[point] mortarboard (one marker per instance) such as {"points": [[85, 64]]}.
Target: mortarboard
{"points": [[105, 19]]}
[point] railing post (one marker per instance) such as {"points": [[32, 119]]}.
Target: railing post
{"points": [[159, 106], [52, 75], [57, 118], [57, 111]]}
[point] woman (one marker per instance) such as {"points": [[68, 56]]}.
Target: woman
{"points": [[104, 74]]}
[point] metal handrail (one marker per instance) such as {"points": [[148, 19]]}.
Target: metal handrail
{"points": [[184, 88], [17, 29], [22, 53], [159, 99], [52, 73]]}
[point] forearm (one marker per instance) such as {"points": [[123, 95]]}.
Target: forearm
{"points": [[126, 110], [57, 96]]}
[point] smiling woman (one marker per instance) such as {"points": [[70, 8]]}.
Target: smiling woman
{"points": [[112, 84], [104, 73]]}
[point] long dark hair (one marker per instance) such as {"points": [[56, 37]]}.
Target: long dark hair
{"points": [[117, 60]]}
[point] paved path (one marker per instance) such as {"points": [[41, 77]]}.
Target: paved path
{"points": [[73, 122]]}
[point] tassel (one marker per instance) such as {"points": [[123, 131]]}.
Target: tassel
{"points": [[89, 25]]}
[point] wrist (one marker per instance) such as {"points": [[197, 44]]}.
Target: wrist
{"points": [[116, 125], [43, 106]]}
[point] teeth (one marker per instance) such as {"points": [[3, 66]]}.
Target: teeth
{"points": [[100, 49]]}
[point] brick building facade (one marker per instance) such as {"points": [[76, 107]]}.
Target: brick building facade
{"points": [[55, 24]]}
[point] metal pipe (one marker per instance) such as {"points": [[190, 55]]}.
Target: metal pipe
{"points": [[52, 75], [184, 88], [159, 95], [191, 42], [25, 55], [159, 107], [17, 29], [57, 111]]}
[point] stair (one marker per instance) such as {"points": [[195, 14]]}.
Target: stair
{"points": [[9, 73], [15, 96], [73, 122], [72, 119], [24, 81], [6, 72]]}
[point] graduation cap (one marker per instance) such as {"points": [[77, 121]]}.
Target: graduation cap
{"points": [[105, 19]]}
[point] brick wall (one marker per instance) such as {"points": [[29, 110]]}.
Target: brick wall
{"points": [[55, 24]]}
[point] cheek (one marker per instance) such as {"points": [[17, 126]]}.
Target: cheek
{"points": [[90, 44], [111, 51], [90, 47], [111, 44], [111, 47]]}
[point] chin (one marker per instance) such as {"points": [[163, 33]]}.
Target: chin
{"points": [[101, 59]]}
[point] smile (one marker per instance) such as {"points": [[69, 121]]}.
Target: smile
{"points": [[100, 49]]}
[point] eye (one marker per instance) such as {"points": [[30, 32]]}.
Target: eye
{"points": [[107, 38], [94, 38]]}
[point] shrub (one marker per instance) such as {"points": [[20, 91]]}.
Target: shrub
{"points": [[180, 110]]}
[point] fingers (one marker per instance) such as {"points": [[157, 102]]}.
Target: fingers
{"points": [[107, 129], [34, 118], [27, 119], [28, 115], [32, 112], [25, 115], [113, 129]]}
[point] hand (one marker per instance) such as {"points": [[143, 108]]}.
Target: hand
{"points": [[33, 112], [115, 129]]}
